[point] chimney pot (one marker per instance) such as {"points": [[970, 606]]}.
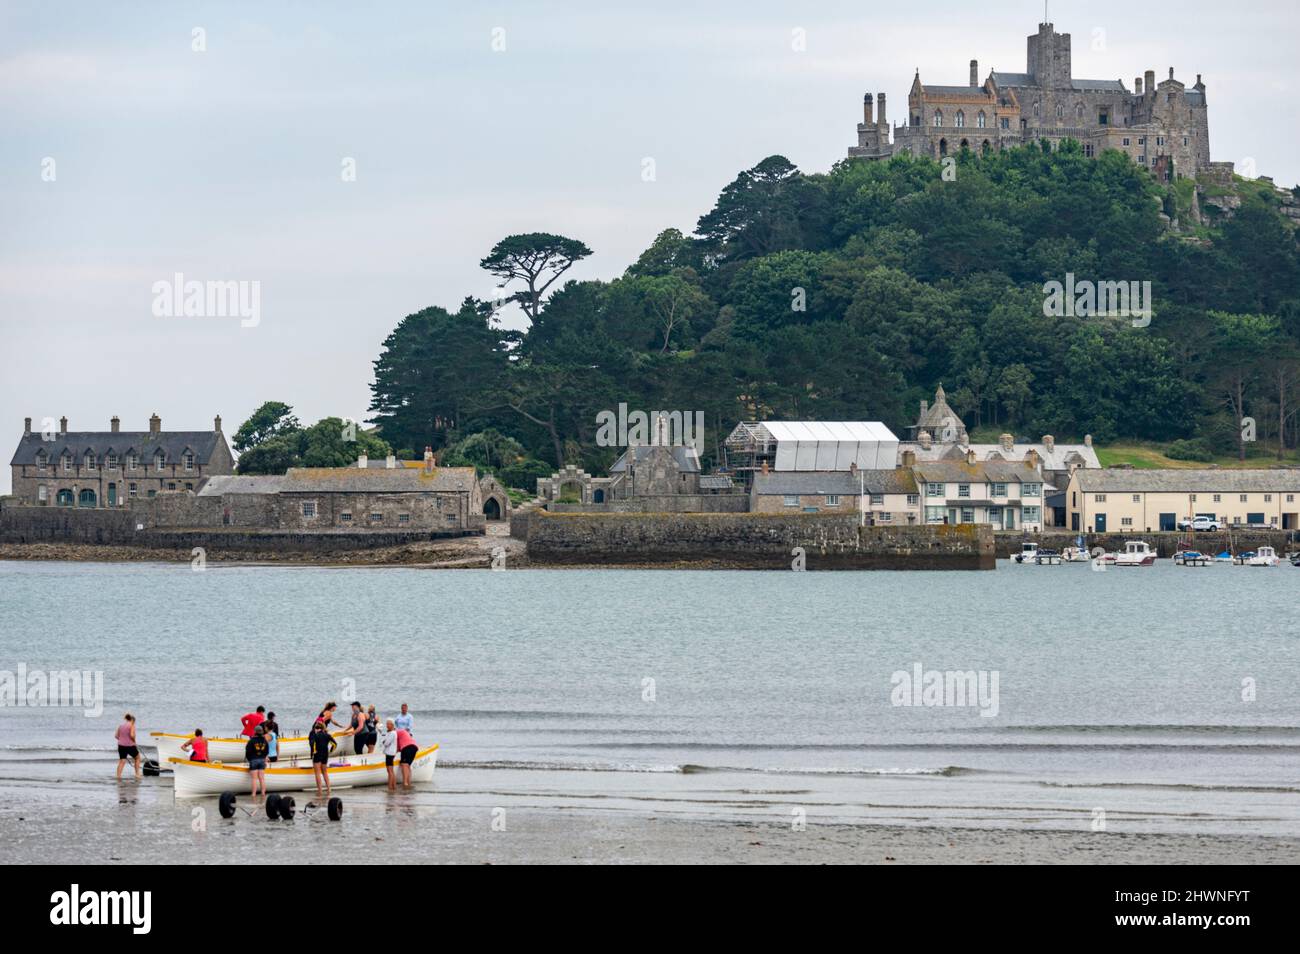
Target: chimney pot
{"points": [[1151, 82], [27, 426], [115, 424], [970, 457], [1137, 85], [1049, 441], [866, 110], [880, 109], [63, 425], [1007, 441], [363, 461], [909, 458], [923, 438], [155, 424], [216, 423]]}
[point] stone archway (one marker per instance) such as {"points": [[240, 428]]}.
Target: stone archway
{"points": [[492, 508], [87, 498]]}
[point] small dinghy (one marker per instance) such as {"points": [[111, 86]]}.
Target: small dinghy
{"points": [[1047, 558], [1191, 558], [225, 750], [196, 779]]}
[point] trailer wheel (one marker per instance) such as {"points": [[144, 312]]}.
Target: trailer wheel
{"points": [[273, 806], [335, 808], [287, 808], [226, 805]]}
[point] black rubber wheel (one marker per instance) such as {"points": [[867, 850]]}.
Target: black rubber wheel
{"points": [[287, 807], [273, 806], [226, 805], [335, 808]]}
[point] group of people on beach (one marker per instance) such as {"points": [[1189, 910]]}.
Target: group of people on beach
{"points": [[263, 745]]}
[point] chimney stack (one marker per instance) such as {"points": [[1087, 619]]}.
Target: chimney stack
{"points": [[390, 462], [765, 467], [866, 110], [114, 424], [27, 426], [1171, 72], [1087, 440], [880, 109], [363, 461], [1007, 441], [1137, 85], [1151, 82], [923, 438], [970, 457], [428, 459], [1049, 442], [216, 423], [63, 425], [155, 424], [909, 458], [974, 72], [1031, 458]]}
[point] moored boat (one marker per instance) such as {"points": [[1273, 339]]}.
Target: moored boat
{"points": [[1047, 558], [196, 779], [1191, 558], [225, 749], [1136, 553], [1027, 553], [1264, 556]]}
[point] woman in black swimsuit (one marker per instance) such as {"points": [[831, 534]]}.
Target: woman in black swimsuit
{"points": [[372, 729]]}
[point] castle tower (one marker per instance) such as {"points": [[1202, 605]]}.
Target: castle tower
{"points": [[1048, 59]]}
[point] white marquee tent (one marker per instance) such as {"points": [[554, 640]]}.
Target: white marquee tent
{"points": [[824, 445]]}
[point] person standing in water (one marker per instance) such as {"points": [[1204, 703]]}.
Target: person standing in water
{"points": [[405, 720], [390, 753], [197, 746], [320, 743], [407, 747], [255, 752], [126, 746], [372, 729]]}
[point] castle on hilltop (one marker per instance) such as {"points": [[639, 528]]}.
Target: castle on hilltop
{"points": [[1160, 126]]}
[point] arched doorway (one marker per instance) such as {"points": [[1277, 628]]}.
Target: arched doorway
{"points": [[63, 498], [943, 147], [492, 509], [571, 492], [87, 498], [598, 496]]}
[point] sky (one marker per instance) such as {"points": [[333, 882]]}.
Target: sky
{"points": [[351, 163]]}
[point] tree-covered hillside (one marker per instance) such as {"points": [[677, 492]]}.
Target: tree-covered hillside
{"points": [[852, 294]]}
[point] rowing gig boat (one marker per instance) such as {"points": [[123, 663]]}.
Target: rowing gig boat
{"points": [[228, 750], [196, 779]]}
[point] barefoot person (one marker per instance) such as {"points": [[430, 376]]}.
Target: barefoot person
{"points": [[390, 753], [252, 720], [320, 742], [407, 747], [197, 746], [357, 729], [256, 752], [126, 746]]}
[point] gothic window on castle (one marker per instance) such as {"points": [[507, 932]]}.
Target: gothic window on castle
{"points": [[980, 121], [938, 117], [961, 119], [1078, 112], [1060, 112], [1035, 110]]}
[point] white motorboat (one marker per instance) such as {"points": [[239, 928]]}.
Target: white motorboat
{"points": [[1075, 555], [1264, 556], [1136, 553], [226, 749], [196, 779], [1028, 551]]}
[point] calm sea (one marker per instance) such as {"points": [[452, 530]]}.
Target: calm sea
{"points": [[1167, 698]]}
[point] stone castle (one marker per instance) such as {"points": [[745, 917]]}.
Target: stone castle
{"points": [[1160, 126]]}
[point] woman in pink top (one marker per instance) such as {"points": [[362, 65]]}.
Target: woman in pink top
{"points": [[407, 748], [126, 747]]}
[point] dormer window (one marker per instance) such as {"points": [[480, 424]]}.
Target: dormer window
{"points": [[40, 462], [67, 463], [189, 461], [159, 459], [111, 463], [132, 460], [90, 461]]}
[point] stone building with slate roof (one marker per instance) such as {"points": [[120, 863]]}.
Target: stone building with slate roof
{"points": [[887, 497], [1162, 127], [1006, 494], [62, 468]]}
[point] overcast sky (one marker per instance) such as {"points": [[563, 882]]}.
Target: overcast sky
{"points": [[227, 164]]}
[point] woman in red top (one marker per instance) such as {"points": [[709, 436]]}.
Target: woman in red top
{"points": [[197, 747]]}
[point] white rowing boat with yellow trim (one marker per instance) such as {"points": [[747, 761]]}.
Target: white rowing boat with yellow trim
{"points": [[228, 750], [196, 779]]}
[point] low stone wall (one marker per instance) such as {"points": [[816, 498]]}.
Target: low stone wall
{"points": [[119, 528], [1164, 543], [663, 503], [754, 541]]}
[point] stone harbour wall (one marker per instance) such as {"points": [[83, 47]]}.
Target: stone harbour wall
{"points": [[754, 541]]}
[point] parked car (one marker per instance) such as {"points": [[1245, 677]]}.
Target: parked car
{"points": [[1200, 523]]}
